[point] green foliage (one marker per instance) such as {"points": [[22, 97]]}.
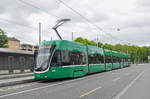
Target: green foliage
{"points": [[84, 41], [138, 54], [108, 46], [3, 39]]}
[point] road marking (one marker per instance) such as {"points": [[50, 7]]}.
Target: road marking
{"points": [[89, 92], [116, 79], [11, 94], [17, 87], [128, 86], [30, 90]]}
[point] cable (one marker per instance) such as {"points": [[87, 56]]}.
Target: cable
{"points": [[86, 19], [29, 4], [12, 22], [79, 14]]}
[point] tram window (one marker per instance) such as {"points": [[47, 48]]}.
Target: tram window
{"points": [[127, 59], [73, 58], [122, 60], [96, 59], [108, 59], [65, 58], [116, 59], [119, 59], [91, 57], [77, 58], [101, 59], [56, 59]]}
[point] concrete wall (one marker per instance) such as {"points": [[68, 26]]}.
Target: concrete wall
{"points": [[16, 61]]}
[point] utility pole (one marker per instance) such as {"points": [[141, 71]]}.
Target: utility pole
{"points": [[72, 36], [128, 48], [39, 33], [97, 40]]}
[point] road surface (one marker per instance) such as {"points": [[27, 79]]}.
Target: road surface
{"points": [[127, 83]]}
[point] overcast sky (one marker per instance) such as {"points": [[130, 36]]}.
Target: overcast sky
{"points": [[132, 17]]}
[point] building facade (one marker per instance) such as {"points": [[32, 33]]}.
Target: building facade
{"points": [[28, 47], [13, 43]]}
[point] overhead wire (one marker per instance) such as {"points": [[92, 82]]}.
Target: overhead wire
{"points": [[86, 19], [19, 24], [38, 8], [43, 10], [16, 23], [29, 4]]}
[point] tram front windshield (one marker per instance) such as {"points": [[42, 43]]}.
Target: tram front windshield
{"points": [[42, 59]]}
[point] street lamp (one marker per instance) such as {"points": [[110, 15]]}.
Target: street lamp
{"points": [[58, 24]]}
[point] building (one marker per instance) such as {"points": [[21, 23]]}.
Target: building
{"points": [[35, 48], [11, 60], [28, 47], [13, 43]]}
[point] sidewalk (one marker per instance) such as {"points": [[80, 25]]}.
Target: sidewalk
{"points": [[6, 76], [14, 79]]}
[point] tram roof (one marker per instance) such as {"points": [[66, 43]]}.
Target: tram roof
{"points": [[65, 45], [95, 50], [107, 52]]}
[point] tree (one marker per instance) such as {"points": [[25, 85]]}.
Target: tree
{"points": [[138, 54], [100, 44], [80, 40], [84, 41], [3, 39], [108, 46]]}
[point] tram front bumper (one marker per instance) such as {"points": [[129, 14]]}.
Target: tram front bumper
{"points": [[40, 75]]}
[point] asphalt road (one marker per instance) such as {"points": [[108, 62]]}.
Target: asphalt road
{"points": [[127, 83]]}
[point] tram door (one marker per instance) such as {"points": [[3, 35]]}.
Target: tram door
{"points": [[87, 59], [11, 63]]}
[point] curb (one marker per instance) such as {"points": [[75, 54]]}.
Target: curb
{"points": [[17, 82], [15, 76]]}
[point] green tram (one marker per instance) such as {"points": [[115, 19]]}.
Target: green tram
{"points": [[66, 59]]}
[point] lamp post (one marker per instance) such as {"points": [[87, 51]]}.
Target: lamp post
{"points": [[128, 48], [39, 33], [58, 24]]}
